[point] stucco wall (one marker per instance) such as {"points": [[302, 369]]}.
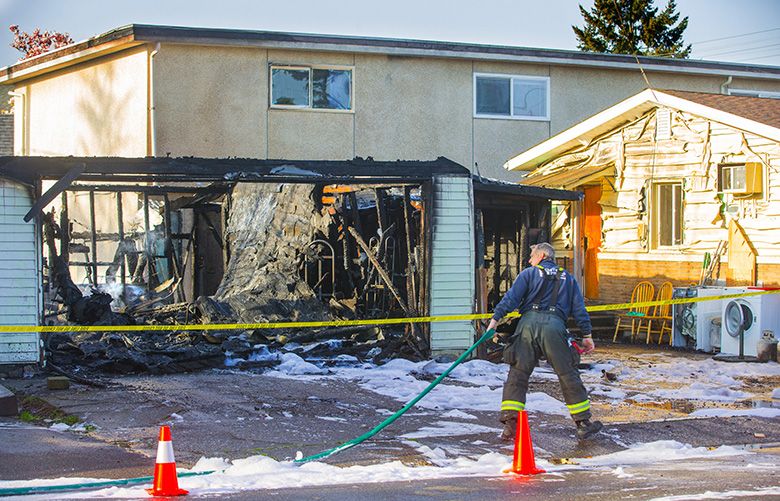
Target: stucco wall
{"points": [[95, 109], [412, 108], [212, 101]]}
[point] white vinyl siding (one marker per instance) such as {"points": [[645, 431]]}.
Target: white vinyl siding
{"points": [[452, 263], [19, 282]]}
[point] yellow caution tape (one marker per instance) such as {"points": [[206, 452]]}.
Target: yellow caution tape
{"points": [[345, 323]]}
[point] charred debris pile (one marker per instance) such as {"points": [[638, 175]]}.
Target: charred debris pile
{"points": [[232, 252]]}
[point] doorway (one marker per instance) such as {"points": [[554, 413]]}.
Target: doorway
{"points": [[591, 232]]}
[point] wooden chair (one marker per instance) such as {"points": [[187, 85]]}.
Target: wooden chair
{"points": [[661, 313], [643, 292]]}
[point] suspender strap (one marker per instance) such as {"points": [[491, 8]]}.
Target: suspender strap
{"points": [[549, 281], [557, 284]]}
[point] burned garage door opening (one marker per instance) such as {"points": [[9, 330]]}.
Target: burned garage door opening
{"points": [[187, 241]]}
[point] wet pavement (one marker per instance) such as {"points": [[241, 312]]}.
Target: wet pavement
{"points": [[237, 414]]}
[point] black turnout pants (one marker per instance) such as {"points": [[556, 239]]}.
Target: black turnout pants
{"points": [[539, 334]]}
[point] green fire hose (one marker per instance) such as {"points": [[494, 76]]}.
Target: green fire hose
{"points": [[46, 489], [400, 412]]}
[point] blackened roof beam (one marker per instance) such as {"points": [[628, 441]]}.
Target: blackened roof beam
{"points": [[191, 169], [522, 190]]}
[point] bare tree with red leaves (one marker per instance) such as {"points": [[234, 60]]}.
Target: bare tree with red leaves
{"points": [[38, 42]]}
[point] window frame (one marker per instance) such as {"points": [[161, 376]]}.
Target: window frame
{"points": [[512, 78], [656, 216], [310, 68]]}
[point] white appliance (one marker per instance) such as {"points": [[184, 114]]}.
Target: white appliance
{"points": [[692, 322], [753, 315]]}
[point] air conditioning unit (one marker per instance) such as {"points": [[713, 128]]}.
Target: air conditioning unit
{"points": [[744, 178]]}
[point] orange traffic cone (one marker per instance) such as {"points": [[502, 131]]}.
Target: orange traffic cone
{"points": [[523, 462], [165, 481]]}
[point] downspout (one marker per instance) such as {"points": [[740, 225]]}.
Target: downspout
{"points": [[23, 150], [724, 87], [152, 122]]}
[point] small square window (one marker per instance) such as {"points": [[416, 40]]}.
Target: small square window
{"points": [[746, 178], [530, 98], [314, 88], [493, 96], [290, 87], [332, 89], [508, 96]]}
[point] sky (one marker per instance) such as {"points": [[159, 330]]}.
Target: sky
{"points": [[746, 31]]}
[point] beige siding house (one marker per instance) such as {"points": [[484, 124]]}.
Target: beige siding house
{"points": [[156, 91], [668, 177]]}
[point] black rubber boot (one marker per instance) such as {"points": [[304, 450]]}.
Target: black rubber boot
{"points": [[509, 418], [588, 428]]}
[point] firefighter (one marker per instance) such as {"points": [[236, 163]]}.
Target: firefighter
{"points": [[545, 295]]}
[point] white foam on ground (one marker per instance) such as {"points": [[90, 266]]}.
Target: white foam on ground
{"points": [[261, 472], [765, 491], [661, 450], [450, 429]]}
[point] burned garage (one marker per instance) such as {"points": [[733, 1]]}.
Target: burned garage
{"points": [[204, 241]]}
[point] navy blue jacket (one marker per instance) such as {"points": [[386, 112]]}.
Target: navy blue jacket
{"points": [[527, 286]]}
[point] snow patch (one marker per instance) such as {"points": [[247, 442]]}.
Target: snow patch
{"points": [[456, 414], [450, 429]]}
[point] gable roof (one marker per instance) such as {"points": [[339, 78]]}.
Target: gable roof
{"points": [[758, 109], [757, 115], [136, 34]]}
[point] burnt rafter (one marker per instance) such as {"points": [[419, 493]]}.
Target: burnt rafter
{"points": [[190, 169]]}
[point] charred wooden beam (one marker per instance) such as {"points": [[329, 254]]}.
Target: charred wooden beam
{"points": [[354, 213], [57, 188], [133, 188], [147, 243], [382, 273], [188, 170], [93, 231], [381, 210], [121, 229], [411, 290], [64, 229]]}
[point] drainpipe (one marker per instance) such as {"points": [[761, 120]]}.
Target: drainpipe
{"points": [[152, 121], [21, 113], [724, 87]]}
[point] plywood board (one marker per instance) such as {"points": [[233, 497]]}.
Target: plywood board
{"points": [[742, 257]]}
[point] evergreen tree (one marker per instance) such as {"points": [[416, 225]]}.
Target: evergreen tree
{"points": [[632, 27]]}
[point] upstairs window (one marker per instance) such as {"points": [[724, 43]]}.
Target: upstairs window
{"points": [[511, 96], [668, 214], [322, 88]]}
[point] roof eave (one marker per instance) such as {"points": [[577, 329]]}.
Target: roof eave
{"points": [[622, 113], [27, 69], [137, 33]]}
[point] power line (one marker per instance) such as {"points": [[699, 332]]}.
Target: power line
{"points": [[737, 36], [738, 45], [764, 57], [742, 50]]}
